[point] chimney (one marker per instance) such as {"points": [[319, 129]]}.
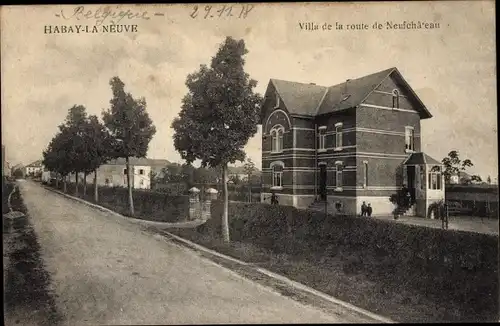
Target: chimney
{"points": [[345, 86]]}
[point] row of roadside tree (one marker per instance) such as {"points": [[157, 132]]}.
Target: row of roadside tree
{"points": [[218, 115], [83, 143]]}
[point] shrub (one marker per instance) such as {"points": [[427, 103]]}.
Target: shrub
{"points": [[149, 205]]}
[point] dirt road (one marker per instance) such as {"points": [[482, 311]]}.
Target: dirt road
{"points": [[105, 270]]}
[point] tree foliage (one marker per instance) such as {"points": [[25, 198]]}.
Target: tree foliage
{"points": [[453, 164], [18, 173], [81, 145], [219, 114], [130, 126]]}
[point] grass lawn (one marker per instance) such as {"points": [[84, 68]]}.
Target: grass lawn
{"points": [[339, 272]]}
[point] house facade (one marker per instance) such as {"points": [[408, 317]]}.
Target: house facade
{"points": [[358, 141], [34, 168], [114, 173]]}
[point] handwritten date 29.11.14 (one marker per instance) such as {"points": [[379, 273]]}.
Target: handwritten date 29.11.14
{"points": [[239, 11]]}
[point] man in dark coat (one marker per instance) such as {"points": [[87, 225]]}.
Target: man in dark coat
{"points": [[363, 209]]}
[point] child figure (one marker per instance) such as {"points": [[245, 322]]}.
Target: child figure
{"points": [[369, 210]]}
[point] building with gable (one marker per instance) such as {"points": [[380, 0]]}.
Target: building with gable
{"points": [[358, 141]]}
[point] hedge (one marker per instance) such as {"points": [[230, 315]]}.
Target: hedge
{"points": [[428, 259], [148, 205]]}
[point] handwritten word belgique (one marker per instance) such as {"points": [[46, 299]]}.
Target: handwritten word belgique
{"points": [[239, 11], [102, 14]]}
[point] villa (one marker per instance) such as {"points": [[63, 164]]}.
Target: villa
{"points": [[358, 141]]}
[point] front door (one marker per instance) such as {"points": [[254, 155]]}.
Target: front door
{"points": [[411, 181], [322, 182]]}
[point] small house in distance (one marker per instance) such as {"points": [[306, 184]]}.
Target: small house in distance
{"points": [[114, 172], [354, 142], [33, 169]]}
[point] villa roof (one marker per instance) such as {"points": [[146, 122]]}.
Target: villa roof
{"points": [[421, 158], [313, 100]]}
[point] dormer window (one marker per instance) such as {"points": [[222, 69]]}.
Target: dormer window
{"points": [[277, 138], [277, 101], [395, 99]]}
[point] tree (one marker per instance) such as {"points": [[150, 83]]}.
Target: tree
{"points": [[249, 169], [453, 165], [172, 173], [76, 123], [99, 149], [130, 126], [219, 114], [475, 178], [18, 173], [58, 156]]}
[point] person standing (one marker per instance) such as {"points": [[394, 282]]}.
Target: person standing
{"points": [[363, 209], [369, 210]]}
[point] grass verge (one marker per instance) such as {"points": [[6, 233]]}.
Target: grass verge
{"points": [[28, 299], [340, 272]]}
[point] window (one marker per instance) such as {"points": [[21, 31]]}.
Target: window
{"points": [[277, 102], [277, 176], [365, 174], [409, 139], [277, 138], [395, 99], [322, 138], [435, 178], [422, 178], [338, 176], [141, 182], [125, 171], [141, 171], [338, 135]]}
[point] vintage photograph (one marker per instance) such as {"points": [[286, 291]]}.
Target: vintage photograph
{"points": [[250, 163]]}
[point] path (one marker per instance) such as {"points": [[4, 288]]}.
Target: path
{"points": [[105, 270], [462, 223]]}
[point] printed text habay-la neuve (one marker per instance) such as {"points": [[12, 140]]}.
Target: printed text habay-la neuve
{"points": [[78, 29]]}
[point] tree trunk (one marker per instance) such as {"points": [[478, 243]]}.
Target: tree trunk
{"points": [[57, 181], [65, 188], [249, 190], [129, 185], [225, 220], [84, 184], [76, 184], [96, 192]]}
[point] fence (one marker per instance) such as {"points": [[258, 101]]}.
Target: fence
{"points": [[473, 200]]}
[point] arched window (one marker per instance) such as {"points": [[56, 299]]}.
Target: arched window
{"points": [[395, 99], [277, 138]]}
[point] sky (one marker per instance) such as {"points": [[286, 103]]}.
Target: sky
{"points": [[452, 68]]}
